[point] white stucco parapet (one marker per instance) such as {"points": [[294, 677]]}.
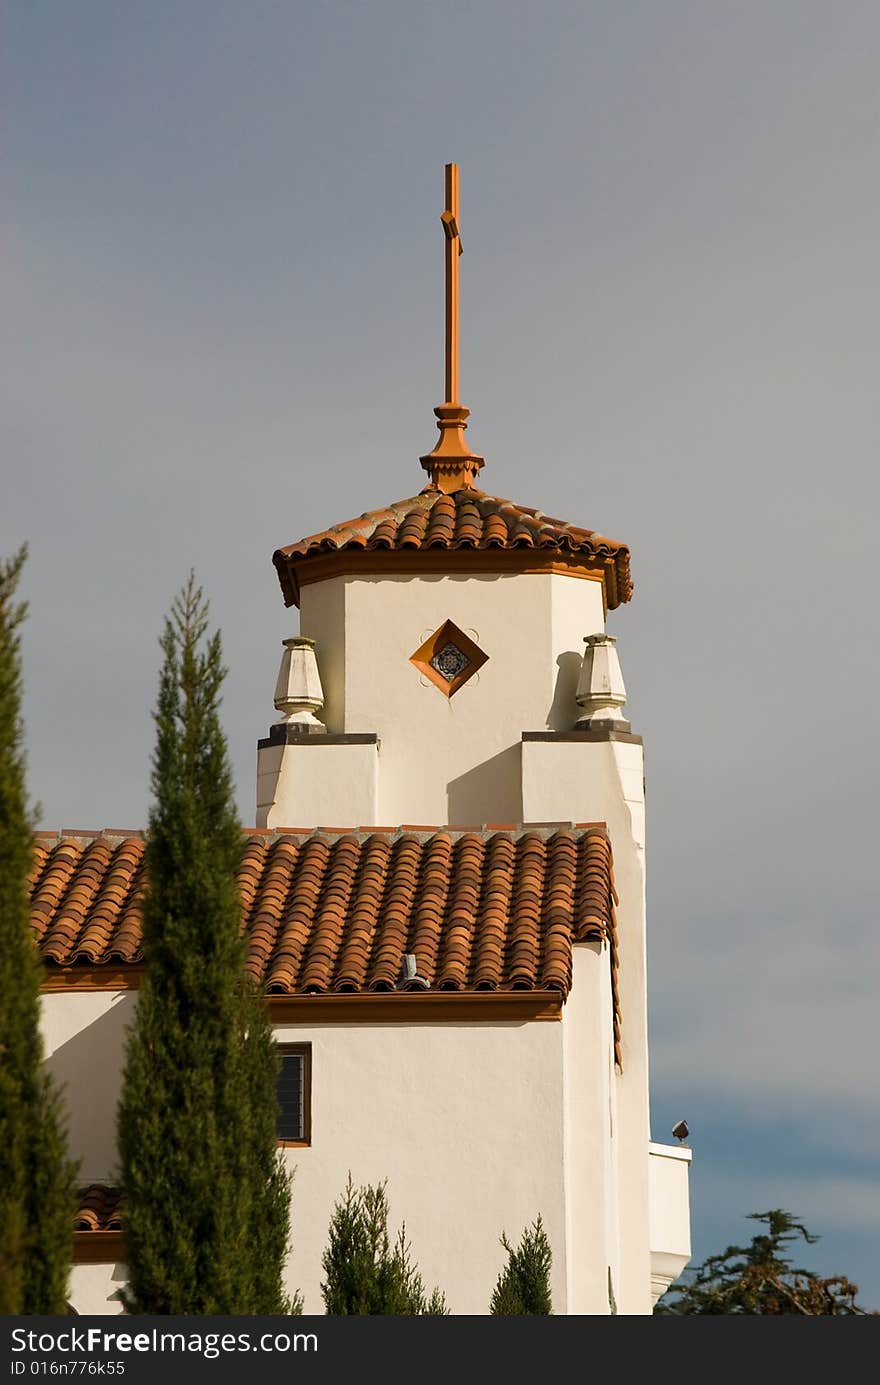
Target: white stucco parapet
{"points": [[669, 1167], [317, 780], [579, 774]]}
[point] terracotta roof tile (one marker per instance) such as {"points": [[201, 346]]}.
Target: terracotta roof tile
{"points": [[482, 909], [85, 898], [99, 1208], [466, 519]]}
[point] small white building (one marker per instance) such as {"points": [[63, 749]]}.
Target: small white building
{"points": [[445, 899]]}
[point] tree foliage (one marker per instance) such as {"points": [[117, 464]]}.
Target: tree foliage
{"points": [[523, 1287], [37, 1187], [206, 1196], [364, 1273], [760, 1278]]}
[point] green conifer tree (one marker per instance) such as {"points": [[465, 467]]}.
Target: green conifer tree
{"points": [[364, 1273], [760, 1279], [37, 1189], [206, 1196], [523, 1287]]}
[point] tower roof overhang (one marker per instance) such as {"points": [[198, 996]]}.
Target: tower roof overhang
{"points": [[463, 531]]}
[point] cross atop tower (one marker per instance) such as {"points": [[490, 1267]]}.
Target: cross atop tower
{"points": [[453, 249], [452, 466]]}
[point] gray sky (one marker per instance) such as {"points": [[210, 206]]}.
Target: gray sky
{"points": [[223, 271]]}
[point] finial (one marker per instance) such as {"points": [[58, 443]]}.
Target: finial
{"points": [[452, 466], [298, 692], [600, 692]]}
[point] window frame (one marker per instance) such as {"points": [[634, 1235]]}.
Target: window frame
{"points": [[303, 1051]]}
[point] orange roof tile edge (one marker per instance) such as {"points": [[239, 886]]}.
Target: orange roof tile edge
{"points": [[467, 520], [484, 910]]}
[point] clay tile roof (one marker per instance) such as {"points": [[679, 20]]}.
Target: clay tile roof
{"points": [[482, 909], [465, 520], [99, 1208], [85, 897]]}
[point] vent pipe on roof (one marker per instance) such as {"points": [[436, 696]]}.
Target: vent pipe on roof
{"points": [[411, 979]]}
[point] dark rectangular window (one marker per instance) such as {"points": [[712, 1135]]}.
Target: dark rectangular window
{"points": [[294, 1094]]}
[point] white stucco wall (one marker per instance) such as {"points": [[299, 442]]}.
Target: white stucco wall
{"points": [[603, 781], [477, 1127], [441, 760], [325, 604], [95, 1288], [319, 782], [590, 1169], [669, 1167], [84, 1041], [465, 1121]]}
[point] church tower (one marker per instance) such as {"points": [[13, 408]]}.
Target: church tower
{"points": [[443, 904], [435, 632], [453, 670]]}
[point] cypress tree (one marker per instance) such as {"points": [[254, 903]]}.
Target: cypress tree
{"points": [[523, 1287], [206, 1196], [37, 1191], [365, 1274]]}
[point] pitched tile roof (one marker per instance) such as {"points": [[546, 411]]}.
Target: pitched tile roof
{"points": [[332, 910], [86, 892], [467, 519], [99, 1208]]}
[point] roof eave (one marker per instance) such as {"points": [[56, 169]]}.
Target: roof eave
{"points": [[301, 569]]}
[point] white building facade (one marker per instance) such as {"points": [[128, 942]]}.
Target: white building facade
{"points": [[445, 899], [481, 1107]]}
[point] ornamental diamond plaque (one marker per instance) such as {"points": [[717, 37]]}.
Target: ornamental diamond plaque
{"points": [[448, 658], [450, 661]]}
